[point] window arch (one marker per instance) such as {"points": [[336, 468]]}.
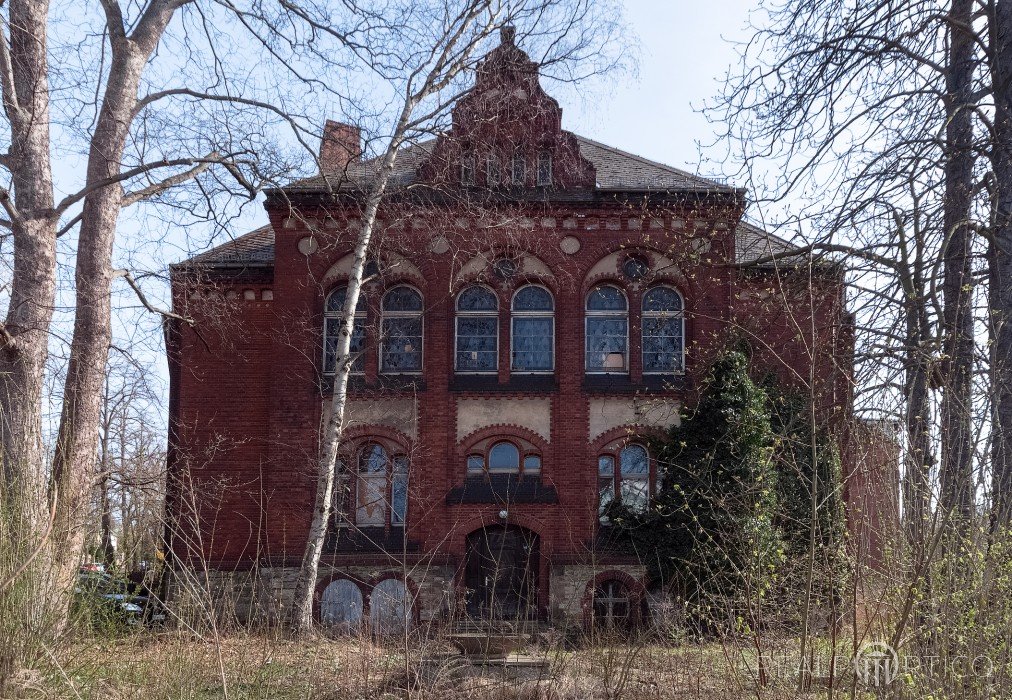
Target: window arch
{"points": [[381, 489], [663, 331], [333, 313], [607, 330], [401, 342], [498, 456], [533, 334], [477, 330], [624, 475]]}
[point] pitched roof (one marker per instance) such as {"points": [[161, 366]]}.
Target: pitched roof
{"points": [[617, 171], [256, 248]]}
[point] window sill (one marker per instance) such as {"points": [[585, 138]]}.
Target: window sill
{"points": [[622, 383], [384, 382], [502, 489], [517, 382]]}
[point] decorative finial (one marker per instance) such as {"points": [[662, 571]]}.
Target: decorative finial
{"points": [[508, 34]]}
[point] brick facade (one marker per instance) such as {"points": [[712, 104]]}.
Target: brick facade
{"points": [[249, 394]]}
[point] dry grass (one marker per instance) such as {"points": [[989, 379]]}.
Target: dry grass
{"points": [[247, 666]]}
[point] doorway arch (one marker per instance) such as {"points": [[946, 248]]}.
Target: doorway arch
{"points": [[501, 572]]}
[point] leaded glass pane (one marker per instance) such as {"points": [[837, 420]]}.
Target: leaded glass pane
{"points": [[402, 299], [634, 494], [335, 301], [606, 298], [533, 298], [544, 168], [402, 344], [493, 172], [372, 459], [533, 344], [504, 456], [519, 170], [606, 343], [477, 343], [635, 461], [606, 466], [332, 329], [399, 498], [662, 344], [661, 299], [635, 268], [477, 299]]}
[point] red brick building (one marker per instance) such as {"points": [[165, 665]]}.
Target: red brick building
{"points": [[537, 305]]}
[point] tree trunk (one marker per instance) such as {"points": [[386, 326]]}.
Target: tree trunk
{"points": [[77, 439], [958, 343], [1000, 265]]}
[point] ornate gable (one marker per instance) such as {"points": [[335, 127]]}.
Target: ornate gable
{"points": [[507, 132]]}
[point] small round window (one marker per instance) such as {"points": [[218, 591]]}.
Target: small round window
{"points": [[635, 268], [505, 268]]}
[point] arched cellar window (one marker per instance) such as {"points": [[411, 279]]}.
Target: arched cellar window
{"points": [[401, 345], [613, 605], [625, 476], [333, 313], [477, 330], [607, 329], [503, 457], [663, 331], [341, 605], [390, 607], [533, 334], [381, 490]]}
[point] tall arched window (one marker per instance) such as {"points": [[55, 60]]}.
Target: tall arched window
{"points": [[382, 488], [533, 330], [607, 330], [332, 314], [401, 344], [477, 330], [663, 331]]}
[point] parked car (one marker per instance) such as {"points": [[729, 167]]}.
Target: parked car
{"points": [[109, 600]]}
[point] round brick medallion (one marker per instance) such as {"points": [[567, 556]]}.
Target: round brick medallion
{"points": [[570, 245], [439, 245], [308, 245]]}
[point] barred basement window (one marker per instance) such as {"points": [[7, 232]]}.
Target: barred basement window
{"points": [[332, 316], [477, 331], [612, 604]]}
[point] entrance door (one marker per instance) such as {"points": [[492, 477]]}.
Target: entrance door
{"points": [[502, 573]]}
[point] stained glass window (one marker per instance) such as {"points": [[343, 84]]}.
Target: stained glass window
{"points": [[533, 333], [663, 331], [607, 341], [477, 330], [401, 346], [332, 316]]}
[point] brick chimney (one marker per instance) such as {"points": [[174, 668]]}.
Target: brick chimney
{"points": [[341, 144]]}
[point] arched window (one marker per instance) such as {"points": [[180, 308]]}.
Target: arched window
{"points": [[390, 607], [382, 489], [663, 331], [612, 604], [533, 330], [401, 345], [477, 330], [625, 476], [607, 330], [333, 312], [504, 457], [341, 605], [544, 169]]}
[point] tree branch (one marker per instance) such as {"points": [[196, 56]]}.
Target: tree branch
{"points": [[125, 274]]}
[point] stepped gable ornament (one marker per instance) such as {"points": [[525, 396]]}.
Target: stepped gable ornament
{"points": [[508, 119]]}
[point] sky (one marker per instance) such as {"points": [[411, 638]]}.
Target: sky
{"points": [[684, 49]]}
